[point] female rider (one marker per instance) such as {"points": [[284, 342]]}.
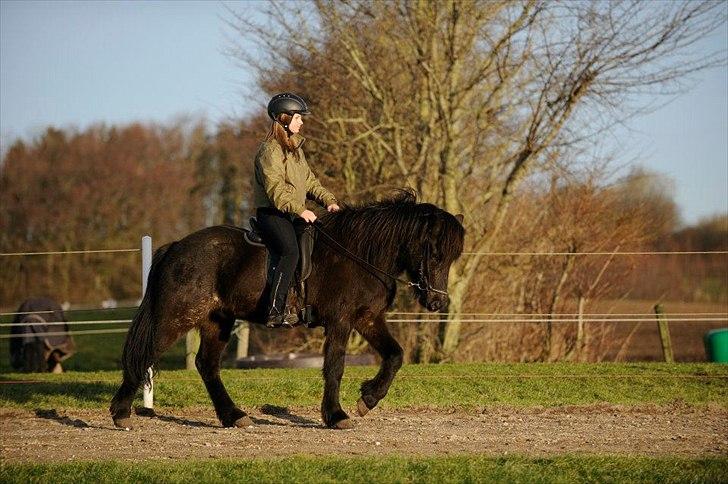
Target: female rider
{"points": [[282, 181]]}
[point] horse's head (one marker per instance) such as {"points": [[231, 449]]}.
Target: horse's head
{"points": [[398, 234], [429, 256]]}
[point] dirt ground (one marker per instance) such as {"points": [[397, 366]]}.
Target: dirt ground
{"points": [[678, 430]]}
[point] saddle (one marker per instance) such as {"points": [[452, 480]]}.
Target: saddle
{"points": [[254, 236]]}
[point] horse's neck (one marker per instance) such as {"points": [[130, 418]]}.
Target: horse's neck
{"points": [[375, 249]]}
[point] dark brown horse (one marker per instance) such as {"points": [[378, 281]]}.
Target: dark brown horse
{"points": [[212, 277]]}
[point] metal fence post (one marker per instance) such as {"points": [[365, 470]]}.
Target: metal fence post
{"points": [[148, 391]]}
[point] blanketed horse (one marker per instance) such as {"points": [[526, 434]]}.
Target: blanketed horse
{"points": [[41, 339], [212, 277]]}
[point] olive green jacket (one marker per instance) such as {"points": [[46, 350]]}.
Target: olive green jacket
{"points": [[283, 182]]}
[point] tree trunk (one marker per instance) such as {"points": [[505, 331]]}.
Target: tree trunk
{"points": [[575, 351], [451, 332]]}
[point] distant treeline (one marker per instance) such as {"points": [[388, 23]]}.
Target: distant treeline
{"points": [[105, 187]]}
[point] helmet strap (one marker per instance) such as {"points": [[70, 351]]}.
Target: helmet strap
{"points": [[285, 126]]}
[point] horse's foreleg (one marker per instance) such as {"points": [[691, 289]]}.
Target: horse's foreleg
{"points": [[334, 355], [372, 391], [208, 364]]}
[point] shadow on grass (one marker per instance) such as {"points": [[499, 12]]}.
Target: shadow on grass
{"points": [[56, 393]]}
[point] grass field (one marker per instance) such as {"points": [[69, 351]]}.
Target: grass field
{"points": [[465, 385], [392, 469]]}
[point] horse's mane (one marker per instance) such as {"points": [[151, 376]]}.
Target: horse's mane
{"points": [[376, 230]]}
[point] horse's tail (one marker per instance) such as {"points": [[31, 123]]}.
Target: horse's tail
{"points": [[138, 353]]}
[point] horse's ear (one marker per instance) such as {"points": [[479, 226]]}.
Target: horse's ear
{"points": [[460, 218]]}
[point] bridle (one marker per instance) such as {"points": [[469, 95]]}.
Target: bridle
{"points": [[422, 284]]}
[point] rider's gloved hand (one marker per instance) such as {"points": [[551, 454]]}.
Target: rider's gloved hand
{"points": [[308, 216]]}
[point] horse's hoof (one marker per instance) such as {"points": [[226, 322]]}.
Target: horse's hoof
{"points": [[345, 424], [243, 422], [361, 407], [123, 423]]}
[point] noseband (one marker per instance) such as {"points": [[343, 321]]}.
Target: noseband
{"points": [[424, 284]]}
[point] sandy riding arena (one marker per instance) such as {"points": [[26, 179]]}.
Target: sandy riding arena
{"points": [[440, 423], [677, 430]]}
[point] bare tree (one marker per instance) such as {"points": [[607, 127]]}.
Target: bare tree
{"points": [[464, 100]]}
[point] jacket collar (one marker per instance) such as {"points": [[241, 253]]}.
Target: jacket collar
{"points": [[298, 139]]}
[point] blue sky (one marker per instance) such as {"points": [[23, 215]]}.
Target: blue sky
{"points": [[77, 63]]}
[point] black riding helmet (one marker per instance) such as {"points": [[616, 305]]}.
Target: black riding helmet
{"points": [[286, 102]]}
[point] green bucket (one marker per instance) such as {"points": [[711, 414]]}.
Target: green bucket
{"points": [[716, 345]]}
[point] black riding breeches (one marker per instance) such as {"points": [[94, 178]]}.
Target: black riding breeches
{"points": [[281, 232]]}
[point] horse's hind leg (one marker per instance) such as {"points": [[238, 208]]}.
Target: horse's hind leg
{"points": [[121, 403], [378, 336], [135, 369], [334, 359], [213, 340]]}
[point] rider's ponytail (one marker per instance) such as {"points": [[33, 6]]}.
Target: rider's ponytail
{"points": [[279, 132]]}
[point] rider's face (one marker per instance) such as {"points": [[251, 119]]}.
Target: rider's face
{"points": [[295, 125]]}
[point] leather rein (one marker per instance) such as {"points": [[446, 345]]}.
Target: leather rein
{"points": [[423, 284]]}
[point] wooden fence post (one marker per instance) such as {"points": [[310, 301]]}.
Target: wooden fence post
{"points": [[243, 334], [192, 346], [664, 333]]}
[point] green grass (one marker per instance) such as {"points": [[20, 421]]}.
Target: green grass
{"points": [[96, 351], [381, 469], [448, 385]]}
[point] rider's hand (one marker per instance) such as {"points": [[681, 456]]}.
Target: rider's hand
{"points": [[333, 208], [308, 216]]}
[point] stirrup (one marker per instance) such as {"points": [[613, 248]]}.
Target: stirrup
{"points": [[289, 319], [309, 317]]}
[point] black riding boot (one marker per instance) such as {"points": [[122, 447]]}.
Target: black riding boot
{"points": [[282, 241], [279, 313]]}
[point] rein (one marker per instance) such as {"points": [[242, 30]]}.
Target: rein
{"points": [[423, 284]]}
